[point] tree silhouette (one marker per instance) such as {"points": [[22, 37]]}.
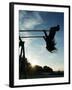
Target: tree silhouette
{"points": [[38, 69], [47, 69]]}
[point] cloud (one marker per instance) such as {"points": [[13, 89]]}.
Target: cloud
{"points": [[28, 20]]}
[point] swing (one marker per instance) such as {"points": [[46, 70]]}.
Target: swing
{"points": [[49, 39]]}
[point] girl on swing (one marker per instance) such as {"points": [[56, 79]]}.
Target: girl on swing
{"points": [[50, 42]]}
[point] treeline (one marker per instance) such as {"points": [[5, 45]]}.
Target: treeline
{"points": [[26, 70]]}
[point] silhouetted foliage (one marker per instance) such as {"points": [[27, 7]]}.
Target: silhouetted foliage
{"points": [[27, 71], [37, 69], [47, 69]]}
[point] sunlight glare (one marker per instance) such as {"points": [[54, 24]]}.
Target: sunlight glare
{"points": [[34, 62]]}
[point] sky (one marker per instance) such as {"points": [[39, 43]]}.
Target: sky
{"points": [[35, 48]]}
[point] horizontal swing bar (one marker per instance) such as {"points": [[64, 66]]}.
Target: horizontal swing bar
{"points": [[33, 30], [32, 37]]}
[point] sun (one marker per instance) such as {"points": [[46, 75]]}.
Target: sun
{"points": [[33, 62]]}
